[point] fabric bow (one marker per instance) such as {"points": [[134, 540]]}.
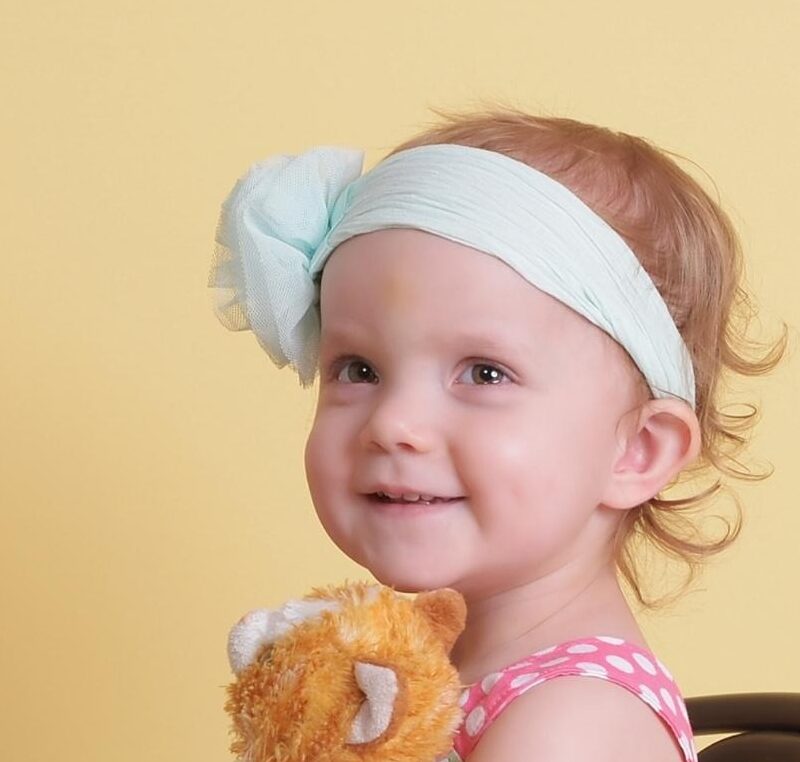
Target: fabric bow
{"points": [[272, 222]]}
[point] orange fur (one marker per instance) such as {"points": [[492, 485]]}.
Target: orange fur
{"points": [[297, 701]]}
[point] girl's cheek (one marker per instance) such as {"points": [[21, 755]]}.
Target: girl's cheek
{"points": [[518, 447], [314, 462], [325, 450]]}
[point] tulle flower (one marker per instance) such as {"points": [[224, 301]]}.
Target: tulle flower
{"points": [[273, 221]]}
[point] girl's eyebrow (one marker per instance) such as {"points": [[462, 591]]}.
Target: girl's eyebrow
{"points": [[341, 333], [489, 341]]}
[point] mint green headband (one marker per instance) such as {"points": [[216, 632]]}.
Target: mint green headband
{"points": [[286, 215]]}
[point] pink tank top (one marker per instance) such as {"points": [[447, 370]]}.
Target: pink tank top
{"points": [[604, 657]]}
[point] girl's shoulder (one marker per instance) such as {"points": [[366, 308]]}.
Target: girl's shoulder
{"points": [[603, 657]]}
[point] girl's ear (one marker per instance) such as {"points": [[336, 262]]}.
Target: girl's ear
{"points": [[655, 441]]}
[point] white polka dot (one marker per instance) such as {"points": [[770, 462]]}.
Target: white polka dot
{"points": [[521, 680], [645, 663], [650, 697], [545, 651], [590, 668], [490, 681], [682, 707], [684, 742], [666, 697], [475, 720], [464, 697], [601, 675], [663, 669], [553, 662], [623, 665], [609, 639], [582, 648]]}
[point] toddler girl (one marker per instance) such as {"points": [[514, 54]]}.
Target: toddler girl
{"points": [[519, 325]]}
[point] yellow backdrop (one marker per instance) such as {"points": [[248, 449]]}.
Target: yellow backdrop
{"points": [[152, 483]]}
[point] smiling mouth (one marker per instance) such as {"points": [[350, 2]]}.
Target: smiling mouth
{"points": [[378, 498]]}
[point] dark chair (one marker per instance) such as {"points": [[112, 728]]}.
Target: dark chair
{"points": [[767, 726]]}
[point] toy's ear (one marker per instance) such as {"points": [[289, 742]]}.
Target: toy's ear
{"points": [[381, 687], [446, 612], [262, 627]]}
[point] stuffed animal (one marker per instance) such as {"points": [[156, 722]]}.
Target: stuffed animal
{"points": [[350, 673]]}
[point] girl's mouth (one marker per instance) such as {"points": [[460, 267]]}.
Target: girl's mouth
{"points": [[381, 498]]}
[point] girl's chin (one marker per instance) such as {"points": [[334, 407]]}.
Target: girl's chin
{"points": [[412, 582]]}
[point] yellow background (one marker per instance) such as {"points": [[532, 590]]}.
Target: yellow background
{"points": [[151, 476]]}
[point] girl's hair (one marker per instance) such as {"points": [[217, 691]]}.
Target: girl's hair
{"points": [[690, 248]]}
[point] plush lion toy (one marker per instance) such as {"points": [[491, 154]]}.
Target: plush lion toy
{"points": [[354, 673]]}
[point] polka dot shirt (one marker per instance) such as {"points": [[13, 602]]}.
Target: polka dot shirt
{"points": [[603, 657]]}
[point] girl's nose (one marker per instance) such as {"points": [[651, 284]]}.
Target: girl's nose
{"points": [[399, 421]]}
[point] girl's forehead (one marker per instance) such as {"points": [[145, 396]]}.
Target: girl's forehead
{"points": [[396, 291], [399, 303], [399, 267]]}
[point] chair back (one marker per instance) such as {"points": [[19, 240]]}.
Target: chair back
{"points": [[766, 726]]}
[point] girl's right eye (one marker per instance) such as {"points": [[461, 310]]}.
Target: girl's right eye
{"points": [[352, 370]]}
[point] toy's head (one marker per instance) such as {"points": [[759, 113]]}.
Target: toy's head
{"points": [[349, 673]]}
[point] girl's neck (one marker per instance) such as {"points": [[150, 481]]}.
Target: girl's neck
{"points": [[508, 626]]}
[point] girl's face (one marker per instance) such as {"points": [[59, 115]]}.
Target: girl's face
{"points": [[444, 372]]}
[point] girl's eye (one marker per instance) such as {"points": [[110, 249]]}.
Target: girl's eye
{"points": [[353, 370], [361, 371], [485, 375]]}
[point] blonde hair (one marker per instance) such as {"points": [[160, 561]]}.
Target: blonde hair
{"points": [[690, 248]]}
